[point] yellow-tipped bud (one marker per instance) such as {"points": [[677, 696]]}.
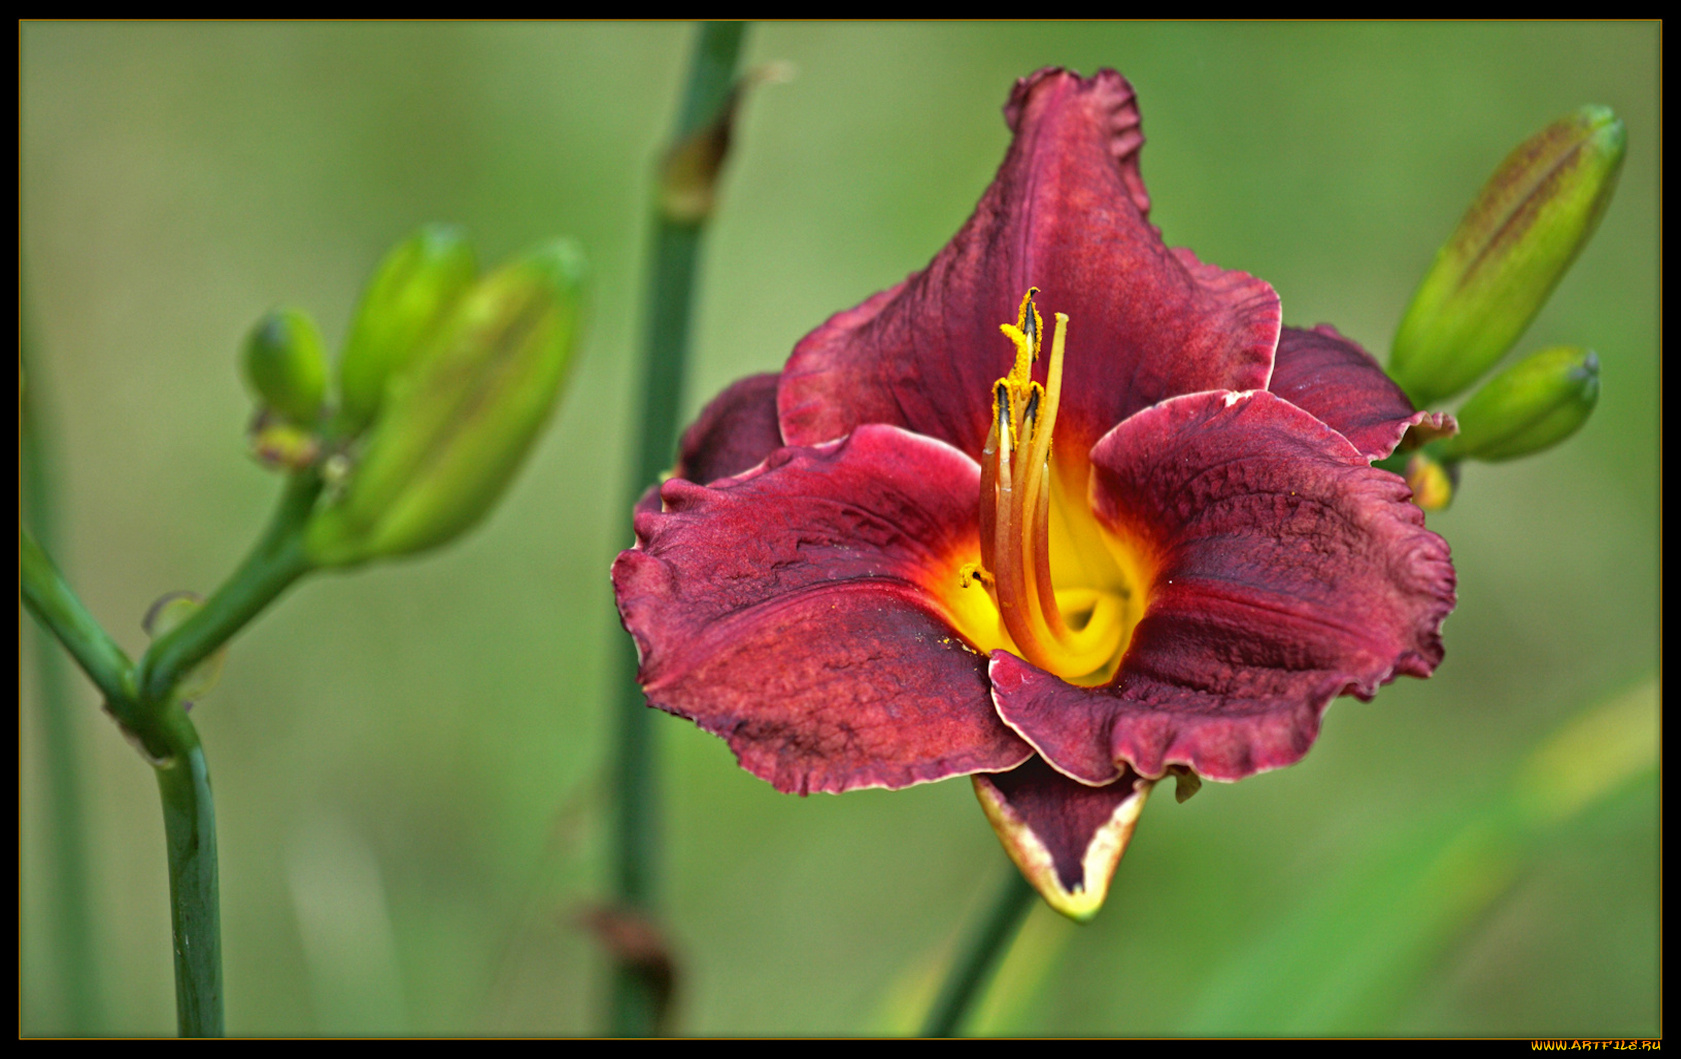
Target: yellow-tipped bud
{"points": [[1533, 405], [457, 423], [1508, 253], [281, 445], [409, 296], [1431, 480], [285, 366]]}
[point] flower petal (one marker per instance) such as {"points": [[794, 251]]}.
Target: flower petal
{"points": [[733, 433], [1331, 377], [1287, 571], [1065, 837], [1066, 213], [804, 611]]}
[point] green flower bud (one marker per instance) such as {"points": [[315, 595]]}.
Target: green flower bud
{"points": [[1510, 250], [410, 294], [1534, 404], [285, 367], [457, 423]]}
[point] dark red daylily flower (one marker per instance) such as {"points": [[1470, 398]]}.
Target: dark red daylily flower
{"points": [[926, 550]]}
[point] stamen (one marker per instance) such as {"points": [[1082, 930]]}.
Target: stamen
{"points": [[1026, 433], [1015, 516], [989, 473]]}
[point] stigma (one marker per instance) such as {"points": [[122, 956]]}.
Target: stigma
{"points": [[1075, 637]]}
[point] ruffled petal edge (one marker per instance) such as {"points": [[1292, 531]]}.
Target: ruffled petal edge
{"points": [[1287, 571], [796, 611]]}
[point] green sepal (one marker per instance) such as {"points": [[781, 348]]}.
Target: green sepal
{"points": [[285, 366], [459, 421], [411, 293], [1501, 264], [1533, 405]]}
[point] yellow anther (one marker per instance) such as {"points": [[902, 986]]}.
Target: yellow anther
{"points": [[1025, 335], [1017, 392], [1028, 320], [1024, 355]]}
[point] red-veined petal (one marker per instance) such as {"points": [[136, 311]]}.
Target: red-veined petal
{"points": [[1286, 572], [1066, 213], [809, 611]]}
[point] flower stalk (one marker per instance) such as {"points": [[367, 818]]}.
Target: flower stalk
{"points": [[277, 560], [980, 957], [635, 1002], [189, 824]]}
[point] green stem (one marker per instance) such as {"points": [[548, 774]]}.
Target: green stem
{"points": [[277, 560], [636, 1003], [189, 813], [144, 704], [978, 960], [711, 76], [189, 824], [170, 741], [56, 606], [67, 886]]}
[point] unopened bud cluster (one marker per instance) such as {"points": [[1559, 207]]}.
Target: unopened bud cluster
{"points": [[1488, 282], [445, 381]]}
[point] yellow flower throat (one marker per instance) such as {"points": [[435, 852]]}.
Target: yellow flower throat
{"points": [[1078, 631]]}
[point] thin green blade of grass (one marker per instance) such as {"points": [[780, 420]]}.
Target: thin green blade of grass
{"points": [[1366, 943]]}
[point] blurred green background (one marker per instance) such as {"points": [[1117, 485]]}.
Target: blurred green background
{"points": [[409, 759]]}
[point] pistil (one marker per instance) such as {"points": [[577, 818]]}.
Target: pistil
{"points": [[1015, 514]]}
